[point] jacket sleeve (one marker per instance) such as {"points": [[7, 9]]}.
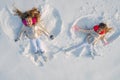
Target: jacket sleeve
{"points": [[86, 30], [96, 39], [104, 40], [20, 34], [100, 37], [44, 30]]}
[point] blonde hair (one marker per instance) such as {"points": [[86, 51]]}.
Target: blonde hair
{"points": [[105, 27], [34, 12]]}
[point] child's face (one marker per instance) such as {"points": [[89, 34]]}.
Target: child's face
{"points": [[29, 21]]}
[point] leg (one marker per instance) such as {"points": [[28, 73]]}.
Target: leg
{"points": [[82, 47], [38, 44], [40, 50], [33, 45], [92, 51]]}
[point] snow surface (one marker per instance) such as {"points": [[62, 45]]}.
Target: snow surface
{"points": [[59, 16]]}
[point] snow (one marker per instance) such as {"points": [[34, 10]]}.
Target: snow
{"points": [[59, 16]]}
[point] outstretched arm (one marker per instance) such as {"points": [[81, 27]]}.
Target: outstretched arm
{"points": [[104, 40], [44, 30], [22, 30], [96, 40], [77, 28]]}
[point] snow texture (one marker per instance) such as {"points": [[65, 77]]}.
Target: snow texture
{"points": [[66, 58]]}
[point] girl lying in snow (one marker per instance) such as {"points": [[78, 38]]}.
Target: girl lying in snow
{"points": [[32, 28], [97, 33]]}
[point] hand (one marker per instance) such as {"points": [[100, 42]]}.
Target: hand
{"points": [[106, 43], [17, 39], [51, 37]]}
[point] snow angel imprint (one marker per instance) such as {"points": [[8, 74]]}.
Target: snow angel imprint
{"points": [[95, 34], [32, 28]]}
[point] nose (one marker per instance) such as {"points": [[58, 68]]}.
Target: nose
{"points": [[29, 22]]}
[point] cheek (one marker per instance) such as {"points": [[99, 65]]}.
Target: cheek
{"points": [[31, 22], [27, 23]]}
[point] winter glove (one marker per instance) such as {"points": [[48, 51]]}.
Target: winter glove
{"points": [[17, 39], [51, 37]]}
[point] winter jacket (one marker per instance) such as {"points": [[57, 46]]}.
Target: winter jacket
{"points": [[33, 32]]}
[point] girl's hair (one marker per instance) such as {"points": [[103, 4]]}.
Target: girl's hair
{"points": [[34, 13], [105, 27]]}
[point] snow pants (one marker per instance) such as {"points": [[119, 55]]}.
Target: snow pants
{"points": [[35, 45]]}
